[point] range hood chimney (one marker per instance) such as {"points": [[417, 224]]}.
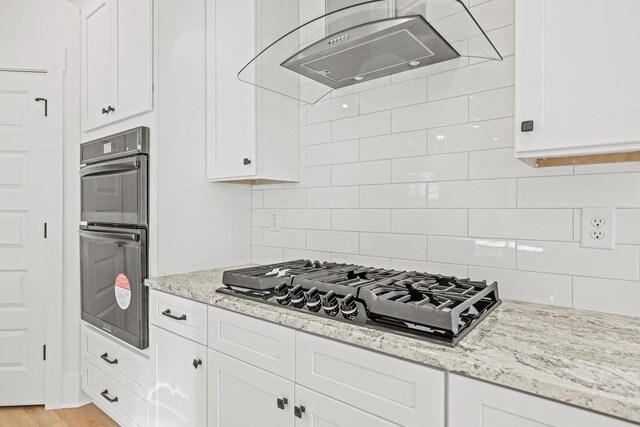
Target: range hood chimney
{"points": [[365, 40]]}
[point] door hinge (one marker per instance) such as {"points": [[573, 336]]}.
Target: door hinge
{"points": [[44, 352], [46, 105], [45, 230]]}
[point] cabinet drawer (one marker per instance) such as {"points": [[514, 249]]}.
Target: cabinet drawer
{"points": [[127, 366], [115, 399], [259, 343], [399, 391], [179, 315]]}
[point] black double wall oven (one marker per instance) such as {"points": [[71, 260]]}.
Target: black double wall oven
{"points": [[114, 175]]}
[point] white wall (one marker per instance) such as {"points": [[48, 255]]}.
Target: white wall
{"points": [[416, 171], [56, 23]]}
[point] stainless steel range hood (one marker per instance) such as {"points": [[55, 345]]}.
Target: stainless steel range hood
{"points": [[354, 42]]}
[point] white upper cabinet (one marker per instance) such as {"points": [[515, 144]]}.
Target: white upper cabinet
{"points": [[577, 68], [252, 134], [117, 47]]}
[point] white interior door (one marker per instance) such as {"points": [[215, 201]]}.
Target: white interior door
{"points": [[24, 173]]}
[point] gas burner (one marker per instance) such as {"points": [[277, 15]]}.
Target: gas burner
{"points": [[438, 308]]}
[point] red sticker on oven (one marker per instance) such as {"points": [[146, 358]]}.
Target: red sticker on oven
{"points": [[123, 291]]}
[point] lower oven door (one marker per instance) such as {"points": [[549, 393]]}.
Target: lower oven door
{"points": [[113, 268]]}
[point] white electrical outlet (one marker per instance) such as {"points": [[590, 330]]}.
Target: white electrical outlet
{"points": [[598, 228], [276, 220]]}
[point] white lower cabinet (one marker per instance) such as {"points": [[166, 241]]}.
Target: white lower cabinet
{"points": [[475, 403], [178, 376], [320, 410], [242, 395]]}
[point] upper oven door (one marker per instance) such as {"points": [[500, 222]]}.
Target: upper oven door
{"points": [[115, 192]]}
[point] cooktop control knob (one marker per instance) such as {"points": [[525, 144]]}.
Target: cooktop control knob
{"points": [[330, 303], [282, 294], [348, 307], [313, 299], [297, 297]]}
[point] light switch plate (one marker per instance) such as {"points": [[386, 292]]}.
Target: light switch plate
{"points": [[598, 228]]}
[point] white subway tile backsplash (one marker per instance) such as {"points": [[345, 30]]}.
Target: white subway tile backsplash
{"points": [[266, 255], [361, 220], [446, 222], [502, 164], [533, 224], [393, 96], [257, 199], [256, 236], [442, 167], [333, 108], [611, 296], [333, 197], [540, 288], [312, 219], [291, 254], [460, 271], [319, 133], [474, 78], [579, 191], [369, 261], [569, 258], [331, 154], [394, 196], [430, 114], [261, 217], [378, 172], [470, 251], [627, 226], [333, 241], [319, 176], [405, 144], [494, 193], [288, 198], [495, 14], [493, 104], [403, 246], [284, 238], [485, 135], [361, 126]]}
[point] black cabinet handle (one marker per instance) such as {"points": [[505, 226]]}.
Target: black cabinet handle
{"points": [[105, 394], [105, 357], [167, 313], [298, 411], [526, 126], [105, 111], [110, 109], [246, 161], [196, 363], [282, 402]]}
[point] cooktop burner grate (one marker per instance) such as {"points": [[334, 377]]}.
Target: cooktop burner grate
{"points": [[436, 307]]}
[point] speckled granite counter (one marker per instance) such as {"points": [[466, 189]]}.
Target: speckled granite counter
{"points": [[578, 357]]}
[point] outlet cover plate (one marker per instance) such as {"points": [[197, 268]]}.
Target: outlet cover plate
{"points": [[591, 220]]}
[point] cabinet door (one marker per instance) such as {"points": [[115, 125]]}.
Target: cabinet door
{"points": [[231, 104], [577, 73], [242, 395], [477, 404], [178, 380], [134, 60], [98, 64], [322, 411]]}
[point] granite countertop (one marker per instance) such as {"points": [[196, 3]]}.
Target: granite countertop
{"points": [[583, 358]]}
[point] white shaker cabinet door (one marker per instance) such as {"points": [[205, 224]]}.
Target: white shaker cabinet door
{"points": [[99, 64], [178, 380], [242, 395], [577, 68], [475, 403], [322, 411]]}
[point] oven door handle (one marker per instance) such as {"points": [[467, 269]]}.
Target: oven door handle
{"points": [[125, 165], [111, 236]]}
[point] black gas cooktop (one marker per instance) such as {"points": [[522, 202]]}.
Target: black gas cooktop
{"points": [[433, 307]]}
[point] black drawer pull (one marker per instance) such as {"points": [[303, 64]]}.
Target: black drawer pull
{"points": [[105, 357], [298, 411], [105, 394], [167, 313], [197, 362], [110, 109], [105, 111], [282, 402]]}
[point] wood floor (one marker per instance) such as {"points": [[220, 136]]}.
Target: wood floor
{"points": [[36, 416]]}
